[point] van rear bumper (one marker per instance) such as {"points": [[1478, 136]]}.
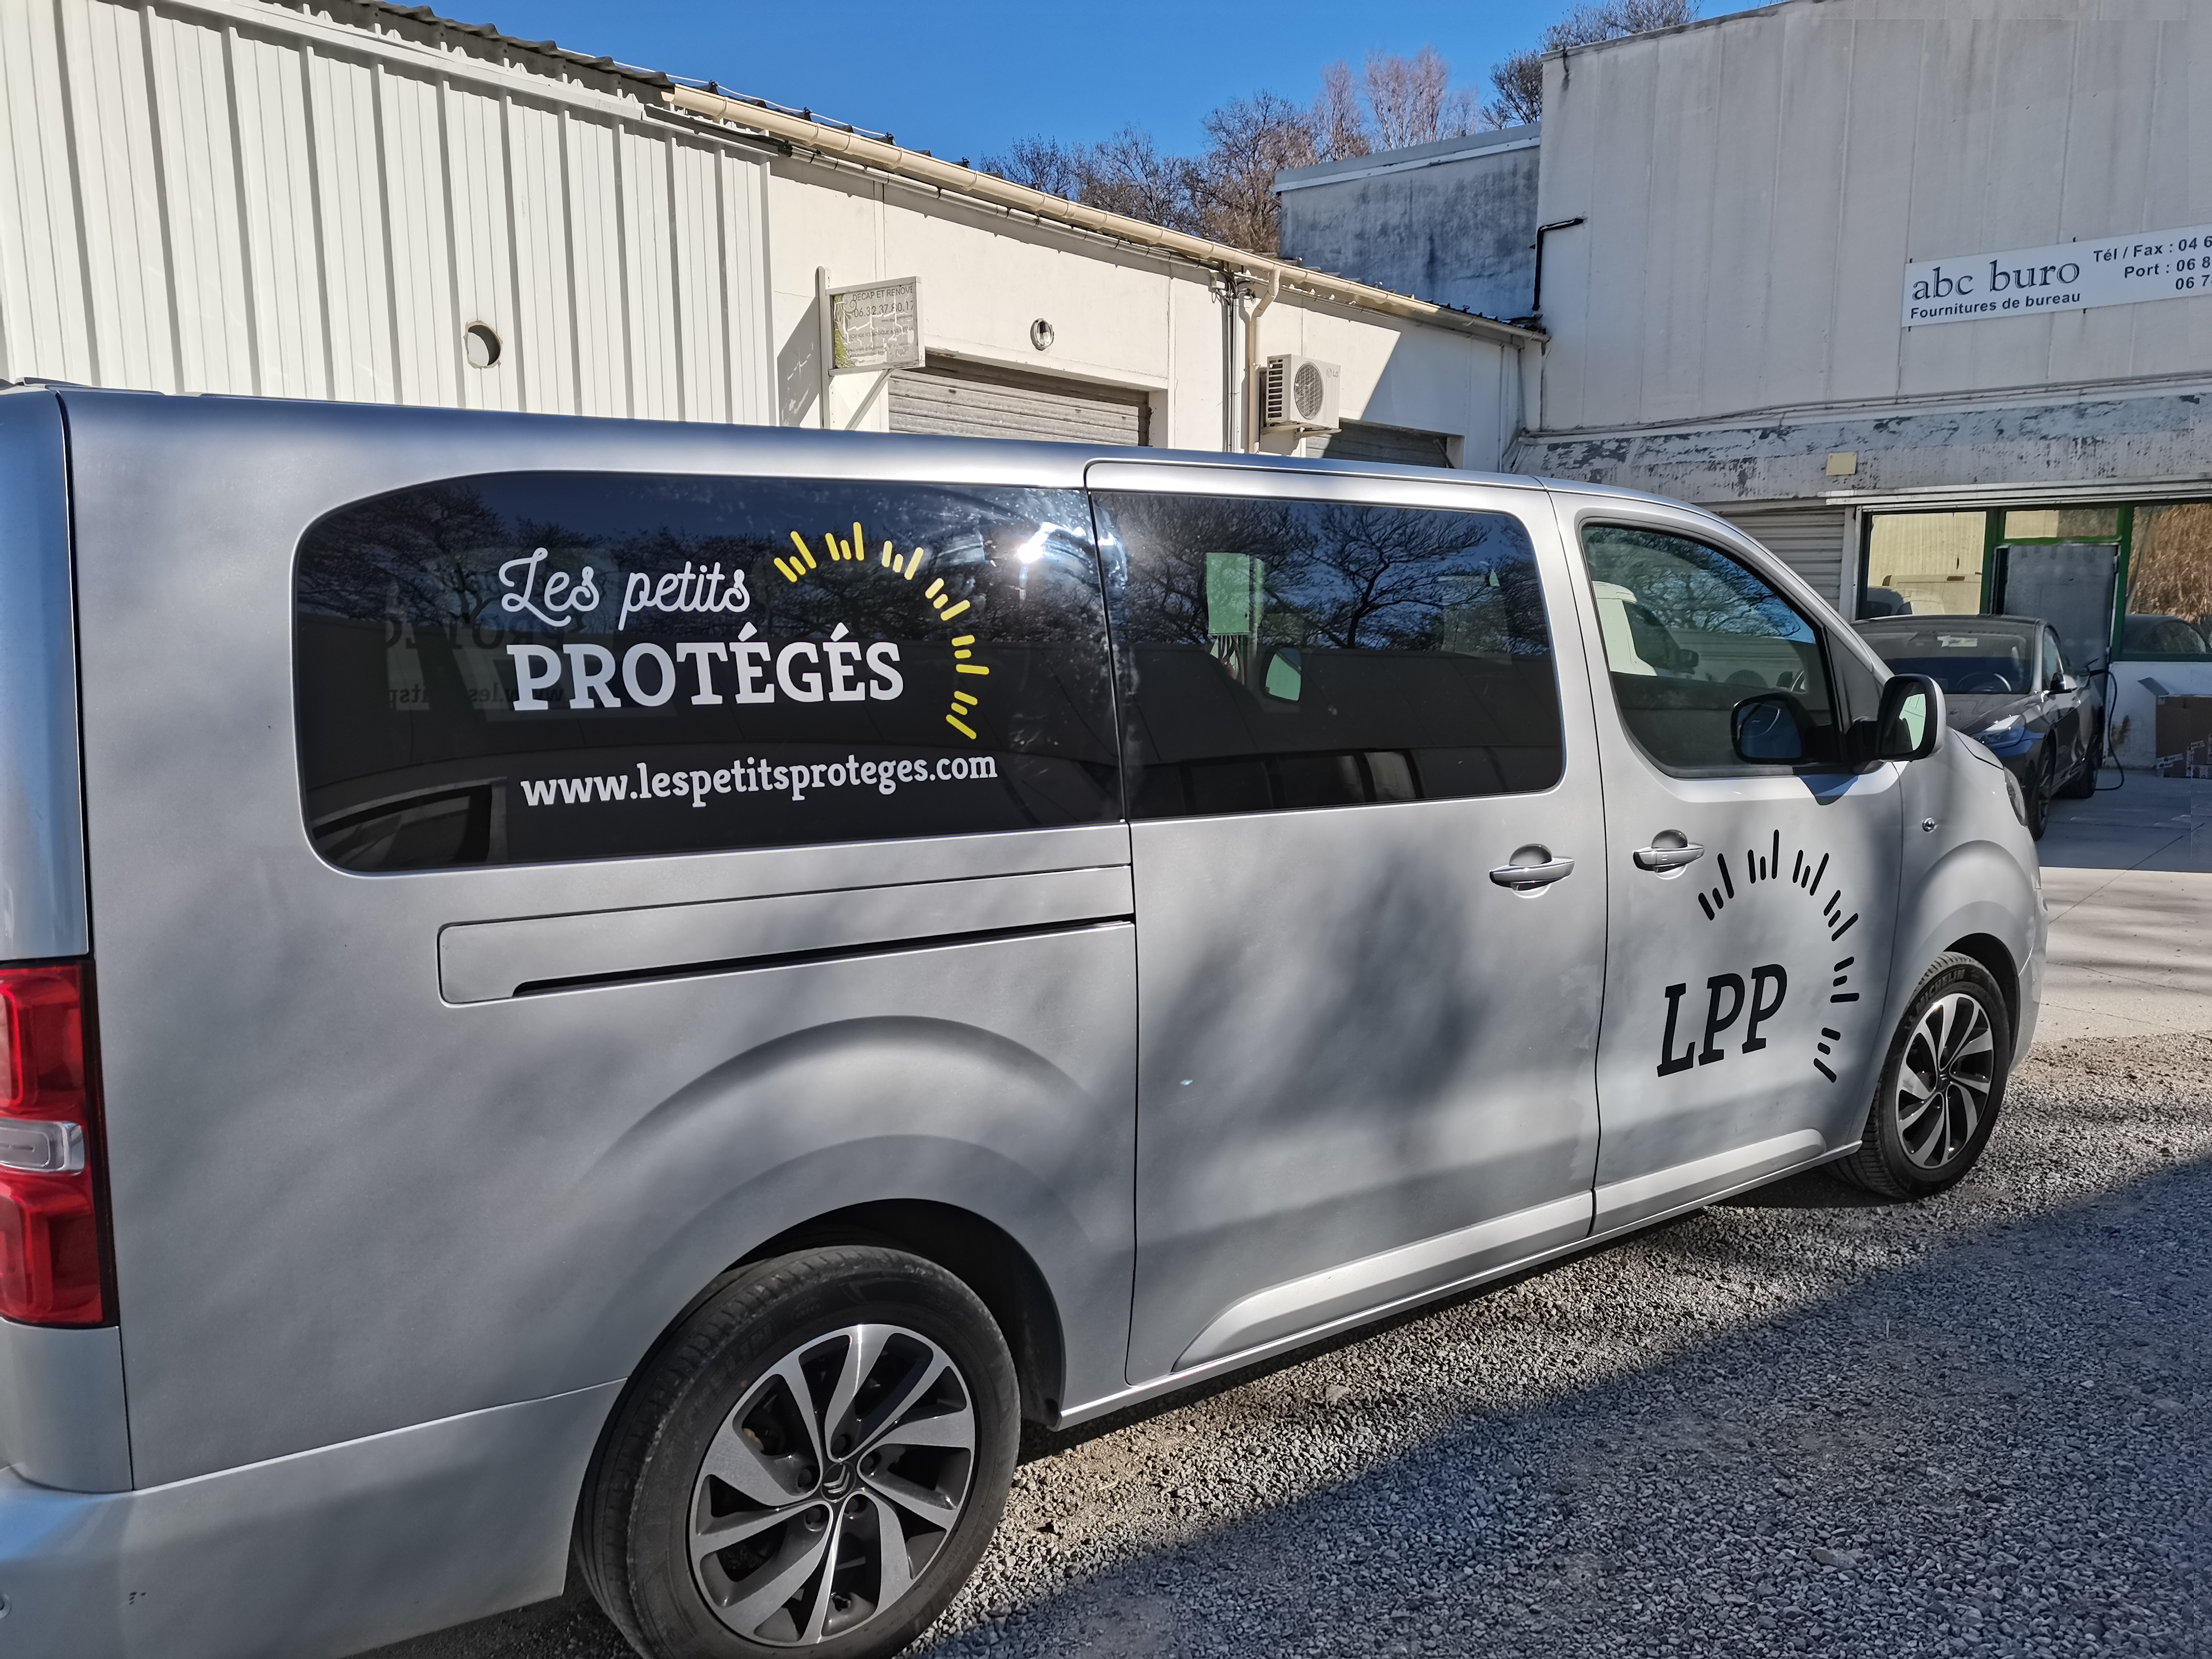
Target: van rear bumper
{"points": [[314, 1556]]}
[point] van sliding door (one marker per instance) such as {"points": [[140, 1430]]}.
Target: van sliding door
{"points": [[1371, 908]]}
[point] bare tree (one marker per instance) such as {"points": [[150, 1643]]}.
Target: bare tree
{"points": [[1250, 141], [1129, 174], [1339, 124], [1045, 164], [1406, 97], [1519, 84], [1518, 80]]}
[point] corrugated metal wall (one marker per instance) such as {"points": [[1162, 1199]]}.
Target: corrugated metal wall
{"points": [[203, 197], [1809, 540], [972, 401]]}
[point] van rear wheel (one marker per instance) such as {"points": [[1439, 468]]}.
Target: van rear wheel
{"points": [[814, 1460], [1941, 1085]]}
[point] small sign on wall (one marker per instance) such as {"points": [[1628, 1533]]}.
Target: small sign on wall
{"points": [[2113, 270], [874, 326]]}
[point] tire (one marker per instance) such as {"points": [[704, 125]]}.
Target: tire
{"points": [[2084, 783], [2038, 796], [1957, 1036], [733, 1426]]}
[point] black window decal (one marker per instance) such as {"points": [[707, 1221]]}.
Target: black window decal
{"points": [[1287, 654], [520, 668]]}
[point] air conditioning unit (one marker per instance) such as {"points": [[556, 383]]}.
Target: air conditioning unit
{"points": [[1297, 394]]}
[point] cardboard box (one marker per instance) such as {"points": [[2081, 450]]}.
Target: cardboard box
{"points": [[2183, 730]]}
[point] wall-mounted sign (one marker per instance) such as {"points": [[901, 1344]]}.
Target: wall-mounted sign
{"points": [[874, 326], [2113, 270]]}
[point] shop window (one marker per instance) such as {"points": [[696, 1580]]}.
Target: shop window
{"points": [[1925, 564], [2169, 610], [2062, 524]]}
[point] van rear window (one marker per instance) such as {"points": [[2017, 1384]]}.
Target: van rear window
{"points": [[522, 668]]}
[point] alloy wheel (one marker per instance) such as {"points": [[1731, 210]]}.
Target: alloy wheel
{"points": [[1943, 1086], [831, 1485]]}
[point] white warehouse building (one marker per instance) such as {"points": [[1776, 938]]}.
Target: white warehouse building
{"points": [[347, 199], [1911, 290]]}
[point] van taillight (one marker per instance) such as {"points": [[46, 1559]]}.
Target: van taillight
{"points": [[49, 1232]]}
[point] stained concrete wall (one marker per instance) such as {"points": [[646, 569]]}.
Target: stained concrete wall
{"points": [[1453, 221], [2145, 437]]}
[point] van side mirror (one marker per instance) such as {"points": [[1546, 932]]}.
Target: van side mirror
{"points": [[1911, 719], [1769, 730]]}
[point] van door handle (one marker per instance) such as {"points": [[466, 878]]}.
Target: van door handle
{"points": [[1527, 878], [1668, 857]]}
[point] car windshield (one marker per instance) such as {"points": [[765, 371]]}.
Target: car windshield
{"points": [[1961, 657]]}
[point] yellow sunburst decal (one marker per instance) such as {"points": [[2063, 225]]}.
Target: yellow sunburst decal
{"points": [[838, 550]]}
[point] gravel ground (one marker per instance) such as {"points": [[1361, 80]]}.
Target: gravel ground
{"points": [[1802, 1422]]}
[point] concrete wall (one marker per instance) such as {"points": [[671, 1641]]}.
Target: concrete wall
{"points": [[1754, 185], [1453, 221]]}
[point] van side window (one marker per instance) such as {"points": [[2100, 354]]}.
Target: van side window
{"points": [[1287, 654], [528, 667], [1689, 633]]}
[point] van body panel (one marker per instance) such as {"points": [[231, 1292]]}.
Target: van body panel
{"points": [[1961, 880], [408, 1209], [42, 887], [433, 1524], [1645, 1197], [1325, 1073], [485, 961], [62, 1418], [1411, 1270]]}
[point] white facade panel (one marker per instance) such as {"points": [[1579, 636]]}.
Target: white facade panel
{"points": [[595, 260], [425, 328], [276, 164], [1753, 188], [104, 48], [539, 248], [208, 279], [356, 244], [216, 196], [42, 286]]}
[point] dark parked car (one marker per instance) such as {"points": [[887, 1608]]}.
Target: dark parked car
{"points": [[2008, 685]]}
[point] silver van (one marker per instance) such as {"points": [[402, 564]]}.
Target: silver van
{"points": [[645, 993]]}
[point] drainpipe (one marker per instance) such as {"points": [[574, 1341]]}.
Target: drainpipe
{"points": [[1224, 288], [1534, 320], [1252, 363]]}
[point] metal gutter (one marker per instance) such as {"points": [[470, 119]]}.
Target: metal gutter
{"points": [[884, 157]]}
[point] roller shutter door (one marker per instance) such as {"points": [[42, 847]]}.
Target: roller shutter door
{"points": [[1358, 441], [1810, 541], [962, 401]]}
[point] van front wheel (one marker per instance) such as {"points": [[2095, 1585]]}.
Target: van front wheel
{"points": [[1940, 1087], [814, 1459]]}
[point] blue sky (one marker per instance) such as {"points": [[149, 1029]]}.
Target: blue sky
{"points": [[966, 79]]}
